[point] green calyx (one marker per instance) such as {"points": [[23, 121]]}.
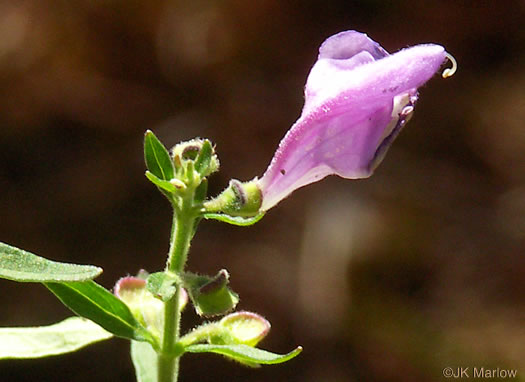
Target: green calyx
{"points": [[211, 296], [238, 199], [240, 328]]}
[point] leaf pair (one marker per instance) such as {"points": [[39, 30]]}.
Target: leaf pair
{"points": [[73, 286]]}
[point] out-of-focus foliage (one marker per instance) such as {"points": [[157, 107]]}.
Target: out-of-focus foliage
{"points": [[418, 268]]}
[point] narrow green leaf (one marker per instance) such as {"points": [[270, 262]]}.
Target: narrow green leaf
{"points": [[43, 341], [145, 361], [157, 157], [92, 301], [235, 220], [162, 184], [201, 192], [202, 163], [245, 353], [19, 265]]}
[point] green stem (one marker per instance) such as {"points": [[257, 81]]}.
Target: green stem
{"points": [[183, 222], [181, 234]]}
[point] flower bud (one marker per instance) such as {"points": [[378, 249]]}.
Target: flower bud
{"points": [[239, 328], [245, 328], [198, 151], [144, 306]]}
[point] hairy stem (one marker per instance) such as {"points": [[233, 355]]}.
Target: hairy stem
{"points": [[181, 234]]}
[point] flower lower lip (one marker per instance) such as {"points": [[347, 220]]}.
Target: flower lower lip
{"points": [[403, 117], [385, 143]]}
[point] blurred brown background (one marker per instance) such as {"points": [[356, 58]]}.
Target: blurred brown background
{"points": [[387, 279]]}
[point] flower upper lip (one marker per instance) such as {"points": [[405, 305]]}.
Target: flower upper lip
{"points": [[357, 99]]}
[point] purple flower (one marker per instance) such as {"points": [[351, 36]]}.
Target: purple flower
{"points": [[357, 99]]}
